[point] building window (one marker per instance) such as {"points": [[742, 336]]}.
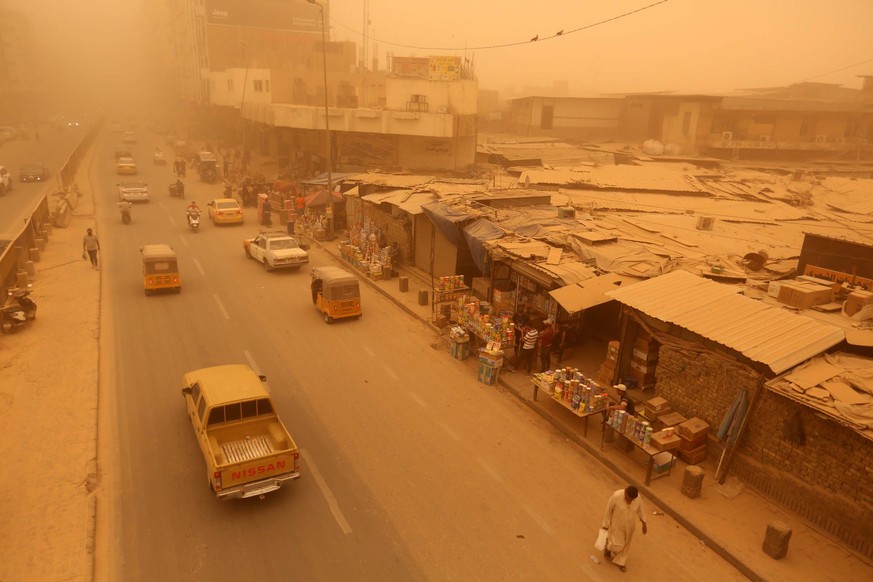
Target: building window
{"points": [[259, 86], [686, 123], [230, 84]]}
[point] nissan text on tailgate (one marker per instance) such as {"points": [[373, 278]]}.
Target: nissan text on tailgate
{"points": [[247, 449]]}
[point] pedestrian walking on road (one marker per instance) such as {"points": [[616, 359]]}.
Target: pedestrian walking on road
{"points": [[91, 245], [620, 522]]}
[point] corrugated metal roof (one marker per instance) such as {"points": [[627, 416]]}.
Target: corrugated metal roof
{"points": [[570, 272], [619, 177], [395, 180], [404, 199], [769, 335]]}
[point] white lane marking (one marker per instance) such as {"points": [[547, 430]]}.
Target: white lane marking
{"points": [[417, 399], [325, 490], [539, 520], [199, 266], [369, 350], [448, 430], [391, 373], [184, 240], [221, 307], [488, 469]]}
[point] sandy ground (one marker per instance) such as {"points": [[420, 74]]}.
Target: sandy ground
{"points": [[48, 417]]}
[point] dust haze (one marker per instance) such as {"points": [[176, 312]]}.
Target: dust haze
{"points": [[99, 51]]}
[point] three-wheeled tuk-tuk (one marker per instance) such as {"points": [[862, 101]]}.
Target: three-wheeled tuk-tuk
{"points": [[207, 167], [335, 293], [160, 270]]}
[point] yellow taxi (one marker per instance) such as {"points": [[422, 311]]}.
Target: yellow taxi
{"points": [[225, 211], [126, 166]]}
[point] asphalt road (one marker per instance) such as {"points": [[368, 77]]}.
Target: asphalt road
{"points": [[411, 469], [51, 151]]}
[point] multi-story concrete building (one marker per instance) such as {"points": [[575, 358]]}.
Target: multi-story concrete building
{"points": [[21, 71], [255, 70]]}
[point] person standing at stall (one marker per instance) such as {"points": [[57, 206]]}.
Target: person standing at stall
{"points": [[528, 347], [558, 343], [546, 340], [620, 522], [292, 220]]}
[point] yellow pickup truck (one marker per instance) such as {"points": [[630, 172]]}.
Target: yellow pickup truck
{"points": [[247, 449]]}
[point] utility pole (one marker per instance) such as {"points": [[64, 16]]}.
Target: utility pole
{"points": [[328, 163]]}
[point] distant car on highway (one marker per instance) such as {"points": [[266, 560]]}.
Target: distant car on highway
{"points": [[133, 191], [8, 132], [225, 211], [126, 166], [129, 137], [33, 173], [5, 180], [276, 250], [116, 126], [123, 152]]}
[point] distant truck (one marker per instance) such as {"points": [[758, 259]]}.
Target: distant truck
{"points": [[248, 451], [276, 250]]}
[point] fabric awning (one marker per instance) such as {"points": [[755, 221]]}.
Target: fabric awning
{"points": [[584, 294]]}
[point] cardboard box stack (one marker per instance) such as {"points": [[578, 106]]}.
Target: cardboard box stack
{"points": [[656, 407], [607, 368], [644, 359], [692, 443], [671, 419], [856, 301], [665, 440], [805, 294]]}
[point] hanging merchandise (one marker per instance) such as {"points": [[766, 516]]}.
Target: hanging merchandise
{"points": [[491, 328]]}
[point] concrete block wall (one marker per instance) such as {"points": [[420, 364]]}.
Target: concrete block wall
{"points": [[395, 229], [701, 385], [828, 480]]}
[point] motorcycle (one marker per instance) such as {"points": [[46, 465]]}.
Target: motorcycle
{"points": [[159, 158], [124, 207], [18, 310], [194, 221], [177, 189]]}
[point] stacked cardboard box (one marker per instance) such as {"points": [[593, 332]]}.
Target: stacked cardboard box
{"points": [[805, 294], [644, 360], [607, 368], [665, 440], [670, 419], [856, 301], [656, 407], [692, 444]]}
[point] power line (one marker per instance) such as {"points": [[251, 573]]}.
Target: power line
{"points": [[559, 34], [835, 71]]}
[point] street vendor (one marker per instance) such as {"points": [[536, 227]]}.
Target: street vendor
{"points": [[624, 401]]}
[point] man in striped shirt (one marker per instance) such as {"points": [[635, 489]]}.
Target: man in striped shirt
{"points": [[528, 347]]}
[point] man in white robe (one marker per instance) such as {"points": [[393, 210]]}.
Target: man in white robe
{"points": [[620, 521]]}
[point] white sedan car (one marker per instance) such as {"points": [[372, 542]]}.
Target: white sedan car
{"points": [[276, 250], [133, 191]]}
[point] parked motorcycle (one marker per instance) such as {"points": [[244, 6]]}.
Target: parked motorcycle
{"points": [[18, 310], [194, 221], [124, 207]]}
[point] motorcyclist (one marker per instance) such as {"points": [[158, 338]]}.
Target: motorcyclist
{"points": [[180, 188], [124, 206], [192, 211]]}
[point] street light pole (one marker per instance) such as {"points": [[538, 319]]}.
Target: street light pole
{"points": [[326, 114], [243, 100]]}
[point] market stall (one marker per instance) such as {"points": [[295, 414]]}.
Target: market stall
{"points": [[637, 434], [476, 317], [366, 250], [574, 391]]}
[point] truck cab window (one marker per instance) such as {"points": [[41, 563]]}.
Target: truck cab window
{"points": [[216, 416], [264, 407], [250, 409], [201, 408], [232, 412]]}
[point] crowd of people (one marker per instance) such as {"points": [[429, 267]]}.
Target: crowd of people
{"points": [[548, 339]]}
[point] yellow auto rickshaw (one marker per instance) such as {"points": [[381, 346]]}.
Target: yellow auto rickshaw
{"points": [[335, 293], [160, 269]]}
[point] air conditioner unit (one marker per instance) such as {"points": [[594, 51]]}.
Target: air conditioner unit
{"points": [[727, 136], [764, 138], [821, 139], [840, 140]]}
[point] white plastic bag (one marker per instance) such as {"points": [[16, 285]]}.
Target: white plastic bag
{"points": [[600, 544]]}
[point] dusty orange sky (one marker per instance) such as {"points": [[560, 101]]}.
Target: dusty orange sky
{"points": [[678, 45]]}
